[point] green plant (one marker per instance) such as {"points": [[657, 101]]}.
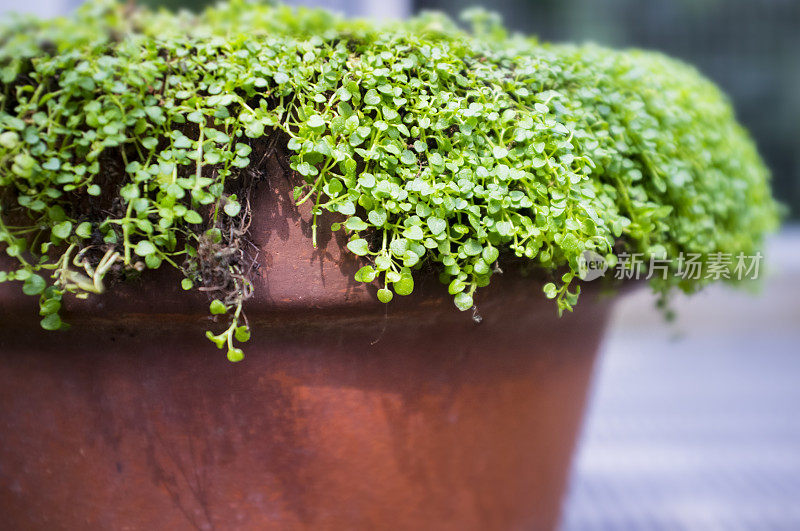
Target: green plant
{"points": [[126, 139]]}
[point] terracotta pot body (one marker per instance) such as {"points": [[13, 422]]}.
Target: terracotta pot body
{"points": [[345, 414]]}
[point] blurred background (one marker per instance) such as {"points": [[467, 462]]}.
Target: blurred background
{"points": [[693, 424]]}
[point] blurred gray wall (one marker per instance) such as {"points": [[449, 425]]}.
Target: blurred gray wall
{"points": [[380, 9], [42, 8]]}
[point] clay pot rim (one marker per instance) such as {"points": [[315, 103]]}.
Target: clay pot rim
{"points": [[156, 298]]}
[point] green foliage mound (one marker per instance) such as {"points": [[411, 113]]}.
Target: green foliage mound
{"points": [[128, 141]]}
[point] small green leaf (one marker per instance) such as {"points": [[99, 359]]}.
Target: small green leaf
{"points": [[144, 248], [149, 142], [129, 192], [187, 283], [436, 225], [377, 217], [307, 170], [155, 113], [355, 223], [49, 306], [153, 261], [570, 245], [550, 290], [404, 286], [316, 122], [182, 142], [359, 247], [53, 164], [192, 217], [334, 187], [51, 322], [62, 230], [490, 254], [365, 274], [383, 262], [385, 295], [217, 307], [499, 152], [372, 97], [232, 208], [84, 230], [242, 334], [347, 208], [463, 301], [235, 355], [34, 285], [480, 267], [456, 286], [57, 213], [215, 235], [195, 117], [472, 247], [367, 180], [9, 139], [413, 233]]}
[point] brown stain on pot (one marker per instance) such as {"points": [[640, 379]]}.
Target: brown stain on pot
{"points": [[345, 414]]}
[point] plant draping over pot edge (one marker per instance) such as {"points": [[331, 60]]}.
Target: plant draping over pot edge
{"points": [[128, 140]]}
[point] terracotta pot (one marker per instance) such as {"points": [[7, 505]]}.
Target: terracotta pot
{"points": [[345, 414]]}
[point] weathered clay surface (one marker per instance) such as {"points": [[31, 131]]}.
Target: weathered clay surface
{"points": [[345, 414]]}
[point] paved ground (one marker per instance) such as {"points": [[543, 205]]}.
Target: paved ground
{"points": [[696, 425]]}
